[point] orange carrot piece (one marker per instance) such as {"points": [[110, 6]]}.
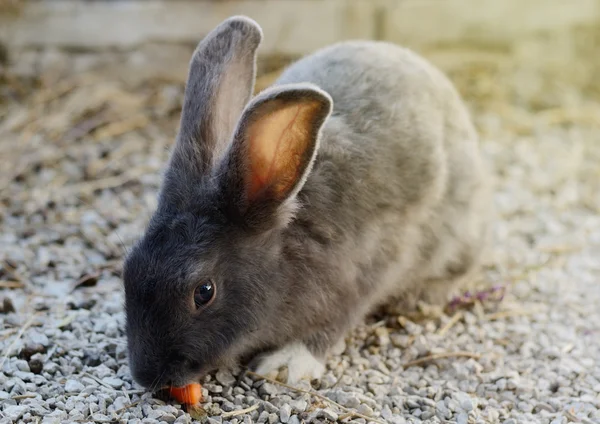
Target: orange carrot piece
{"points": [[190, 394]]}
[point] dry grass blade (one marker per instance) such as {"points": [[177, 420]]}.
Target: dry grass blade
{"points": [[21, 397], [511, 313], [19, 335], [315, 394], [121, 127], [451, 323], [436, 356], [122, 410], [241, 411], [93, 377], [8, 284]]}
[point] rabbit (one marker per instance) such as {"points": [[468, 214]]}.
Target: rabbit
{"points": [[284, 218]]}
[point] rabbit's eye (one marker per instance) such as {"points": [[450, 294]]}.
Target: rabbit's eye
{"points": [[204, 293]]}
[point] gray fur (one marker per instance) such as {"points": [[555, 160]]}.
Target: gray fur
{"points": [[394, 209]]}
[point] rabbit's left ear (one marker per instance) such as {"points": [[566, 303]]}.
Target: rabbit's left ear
{"points": [[220, 83], [274, 146]]}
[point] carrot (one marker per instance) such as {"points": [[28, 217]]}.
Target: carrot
{"points": [[189, 395]]}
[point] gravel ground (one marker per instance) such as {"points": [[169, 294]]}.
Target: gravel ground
{"points": [[81, 160]]}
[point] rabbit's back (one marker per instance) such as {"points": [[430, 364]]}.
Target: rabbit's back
{"points": [[398, 180]]}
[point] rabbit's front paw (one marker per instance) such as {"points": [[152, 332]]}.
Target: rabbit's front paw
{"points": [[296, 357]]}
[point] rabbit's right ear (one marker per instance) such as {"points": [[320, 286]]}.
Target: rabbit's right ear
{"points": [[220, 83]]}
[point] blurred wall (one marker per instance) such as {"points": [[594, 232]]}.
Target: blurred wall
{"points": [[558, 38]]}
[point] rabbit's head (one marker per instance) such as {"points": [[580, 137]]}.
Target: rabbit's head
{"points": [[201, 284]]}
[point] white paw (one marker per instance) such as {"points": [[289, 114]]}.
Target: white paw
{"points": [[299, 361]]}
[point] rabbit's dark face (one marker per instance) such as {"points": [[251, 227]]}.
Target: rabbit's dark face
{"points": [[194, 291]]}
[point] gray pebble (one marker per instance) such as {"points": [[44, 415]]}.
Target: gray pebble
{"points": [[263, 417], [14, 412], [328, 414], [328, 380], [298, 405], [21, 365], [285, 412], [267, 389], [270, 408], [348, 400], [117, 383], [442, 411], [227, 406], [386, 413], [365, 410], [426, 415], [525, 406], [73, 386], [213, 388], [462, 418], [38, 338], [465, 401], [225, 378]]}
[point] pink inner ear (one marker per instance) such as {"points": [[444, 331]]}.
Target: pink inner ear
{"points": [[278, 142]]}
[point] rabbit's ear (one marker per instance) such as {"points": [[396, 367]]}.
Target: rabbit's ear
{"points": [[220, 83], [274, 146]]}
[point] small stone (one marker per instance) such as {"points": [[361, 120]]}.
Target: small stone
{"points": [[22, 365], [348, 400], [386, 413], [114, 382], [328, 414], [273, 418], [328, 380], [298, 405], [38, 338], [525, 407], [14, 412], [225, 378], [267, 389], [7, 306], [285, 412], [73, 386], [270, 408], [462, 418], [365, 410], [36, 366], [294, 420], [263, 417], [213, 388], [442, 411], [465, 401], [426, 415], [227, 406]]}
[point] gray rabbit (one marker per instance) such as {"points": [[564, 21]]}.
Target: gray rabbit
{"points": [[283, 219]]}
